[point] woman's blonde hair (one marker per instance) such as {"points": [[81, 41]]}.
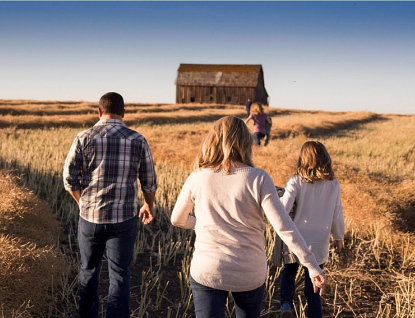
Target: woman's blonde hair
{"points": [[314, 163], [257, 109], [227, 142]]}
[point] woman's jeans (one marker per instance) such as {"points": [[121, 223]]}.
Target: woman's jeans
{"points": [[118, 241], [211, 303], [258, 137], [287, 291]]}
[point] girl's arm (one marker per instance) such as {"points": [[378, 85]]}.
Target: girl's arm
{"points": [[248, 119], [290, 193], [338, 246], [337, 225]]}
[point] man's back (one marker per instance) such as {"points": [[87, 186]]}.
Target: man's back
{"points": [[100, 173], [108, 158]]}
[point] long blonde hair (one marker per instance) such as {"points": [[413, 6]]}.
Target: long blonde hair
{"points": [[228, 142], [257, 109], [314, 163]]}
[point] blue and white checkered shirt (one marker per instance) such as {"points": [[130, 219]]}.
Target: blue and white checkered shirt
{"points": [[104, 162]]}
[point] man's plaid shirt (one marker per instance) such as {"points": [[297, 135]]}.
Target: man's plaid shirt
{"points": [[104, 162]]}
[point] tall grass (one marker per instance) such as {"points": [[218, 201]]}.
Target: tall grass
{"points": [[374, 162]]}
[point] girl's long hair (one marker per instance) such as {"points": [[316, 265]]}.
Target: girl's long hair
{"points": [[257, 109], [314, 163], [229, 141]]}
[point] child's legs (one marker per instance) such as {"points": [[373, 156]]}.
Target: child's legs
{"points": [[267, 137], [313, 299], [288, 274], [257, 138]]}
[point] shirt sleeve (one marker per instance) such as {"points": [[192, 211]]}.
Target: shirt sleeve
{"points": [[180, 216], [290, 194], [285, 227], [147, 173], [337, 227], [72, 167]]}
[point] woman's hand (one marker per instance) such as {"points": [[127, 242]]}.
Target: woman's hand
{"points": [[319, 282]]}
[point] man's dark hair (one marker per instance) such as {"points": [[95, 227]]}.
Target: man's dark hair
{"points": [[111, 103]]}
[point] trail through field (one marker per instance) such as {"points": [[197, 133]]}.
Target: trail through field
{"points": [[374, 160]]}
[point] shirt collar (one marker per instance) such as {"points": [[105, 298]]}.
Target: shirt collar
{"points": [[110, 122]]}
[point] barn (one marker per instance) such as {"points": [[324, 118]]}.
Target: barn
{"points": [[220, 84]]}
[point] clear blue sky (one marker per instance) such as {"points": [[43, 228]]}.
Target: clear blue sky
{"points": [[338, 56]]}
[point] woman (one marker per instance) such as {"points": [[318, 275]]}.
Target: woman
{"points": [[260, 120], [230, 196]]}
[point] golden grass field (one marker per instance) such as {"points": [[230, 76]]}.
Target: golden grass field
{"points": [[374, 160]]}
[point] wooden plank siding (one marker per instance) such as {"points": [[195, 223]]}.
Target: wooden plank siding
{"points": [[214, 95], [220, 84]]}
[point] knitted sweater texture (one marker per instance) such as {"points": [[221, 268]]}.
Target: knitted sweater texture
{"points": [[229, 223]]}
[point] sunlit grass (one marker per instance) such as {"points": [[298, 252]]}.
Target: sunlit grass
{"points": [[373, 159]]}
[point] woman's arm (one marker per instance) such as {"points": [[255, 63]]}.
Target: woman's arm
{"points": [[180, 216]]}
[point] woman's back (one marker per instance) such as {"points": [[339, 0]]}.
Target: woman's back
{"points": [[229, 227]]}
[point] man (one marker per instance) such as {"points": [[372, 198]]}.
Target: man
{"points": [[101, 173], [248, 107]]}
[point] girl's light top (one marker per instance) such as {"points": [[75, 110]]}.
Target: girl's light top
{"points": [[319, 212]]}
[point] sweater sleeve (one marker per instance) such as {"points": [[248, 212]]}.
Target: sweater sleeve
{"points": [[285, 227], [337, 227], [180, 216], [290, 194]]}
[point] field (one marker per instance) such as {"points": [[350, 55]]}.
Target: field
{"points": [[374, 160]]}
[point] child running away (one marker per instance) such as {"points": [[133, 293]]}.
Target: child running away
{"points": [[316, 193]]}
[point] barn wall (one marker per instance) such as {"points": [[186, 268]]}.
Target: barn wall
{"points": [[261, 94], [214, 95]]}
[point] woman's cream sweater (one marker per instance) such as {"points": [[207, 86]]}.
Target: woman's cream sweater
{"points": [[229, 223]]}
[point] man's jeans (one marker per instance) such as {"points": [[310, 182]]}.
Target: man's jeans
{"points": [[211, 303], [287, 291], [118, 242]]}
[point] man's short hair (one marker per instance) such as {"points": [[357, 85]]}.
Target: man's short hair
{"points": [[111, 103]]}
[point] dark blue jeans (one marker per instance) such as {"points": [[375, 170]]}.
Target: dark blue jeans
{"points": [[287, 290], [211, 303], [258, 137], [118, 242]]}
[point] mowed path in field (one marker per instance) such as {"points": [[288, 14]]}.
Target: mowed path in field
{"points": [[373, 200]]}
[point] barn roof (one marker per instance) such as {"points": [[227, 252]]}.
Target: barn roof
{"points": [[218, 75]]}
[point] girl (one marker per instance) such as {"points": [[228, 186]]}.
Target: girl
{"points": [[260, 119], [318, 214], [229, 196]]}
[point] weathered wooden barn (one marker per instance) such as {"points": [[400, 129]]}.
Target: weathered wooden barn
{"points": [[220, 84]]}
